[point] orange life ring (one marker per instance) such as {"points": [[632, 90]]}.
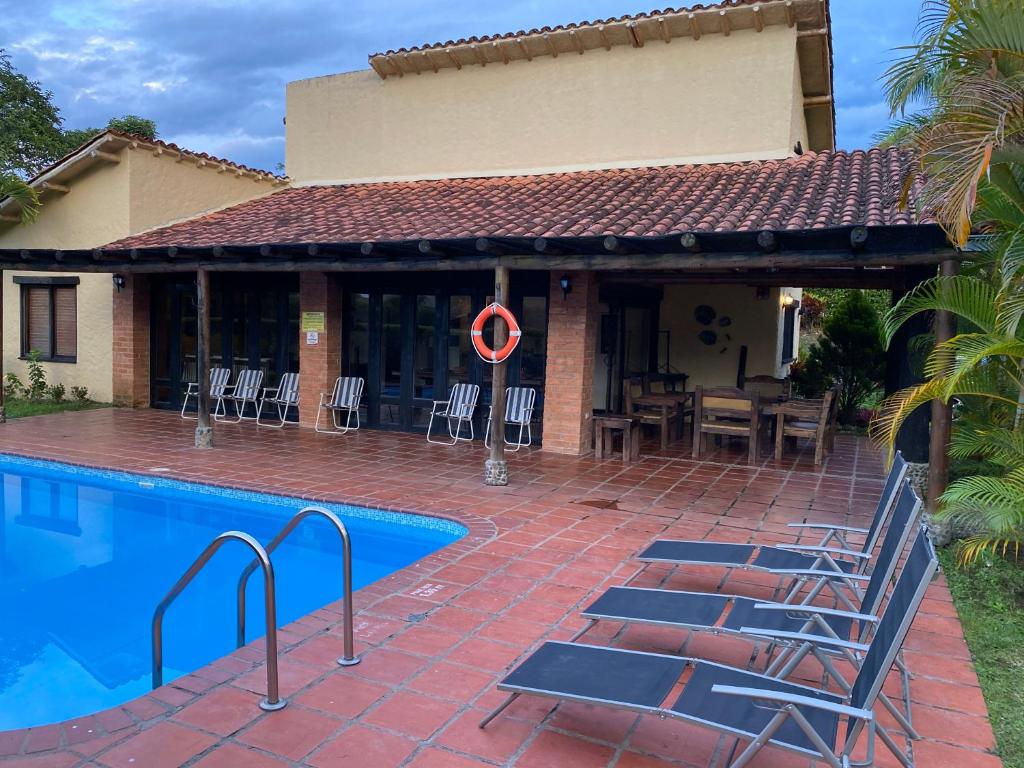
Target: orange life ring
{"points": [[487, 354]]}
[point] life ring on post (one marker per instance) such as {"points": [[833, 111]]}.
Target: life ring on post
{"points": [[487, 354]]}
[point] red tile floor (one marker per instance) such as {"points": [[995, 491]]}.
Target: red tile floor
{"points": [[436, 636]]}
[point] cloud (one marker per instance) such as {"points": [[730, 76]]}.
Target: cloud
{"points": [[212, 73]]}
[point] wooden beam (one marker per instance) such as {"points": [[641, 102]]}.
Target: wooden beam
{"points": [[636, 33], [109, 157], [790, 14], [767, 241], [694, 25], [724, 24], [524, 48], [689, 241], [52, 187], [479, 54], [604, 37], [496, 468], [502, 52], [802, 33], [411, 63], [942, 412], [817, 101], [430, 61], [394, 65], [666, 33], [577, 43], [758, 18], [204, 429], [453, 57], [551, 45]]}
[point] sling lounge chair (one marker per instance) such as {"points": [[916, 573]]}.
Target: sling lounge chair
{"points": [[757, 708], [518, 413], [833, 553], [457, 410], [245, 390], [219, 378], [284, 398], [782, 622], [344, 398]]}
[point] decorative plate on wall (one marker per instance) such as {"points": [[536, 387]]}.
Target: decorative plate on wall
{"points": [[708, 337], [704, 314]]}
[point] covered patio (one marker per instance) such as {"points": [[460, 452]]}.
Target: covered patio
{"points": [[436, 636]]}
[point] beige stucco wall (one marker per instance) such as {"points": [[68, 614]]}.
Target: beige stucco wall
{"points": [[798, 117], [107, 202], [717, 99], [94, 212], [756, 323], [163, 190]]}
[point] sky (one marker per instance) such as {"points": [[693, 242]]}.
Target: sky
{"points": [[212, 74]]}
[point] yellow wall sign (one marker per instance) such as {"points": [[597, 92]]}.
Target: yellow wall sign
{"points": [[313, 321]]}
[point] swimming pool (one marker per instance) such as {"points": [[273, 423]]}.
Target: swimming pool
{"points": [[85, 555]]}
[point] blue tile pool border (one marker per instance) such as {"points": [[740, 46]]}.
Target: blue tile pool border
{"points": [[147, 482]]}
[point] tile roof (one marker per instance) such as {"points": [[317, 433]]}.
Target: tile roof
{"points": [[725, 4], [812, 191]]}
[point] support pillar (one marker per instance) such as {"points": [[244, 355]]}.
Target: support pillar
{"points": [[496, 468], [573, 321], [942, 413], [320, 353], [903, 371], [204, 426], [131, 319]]}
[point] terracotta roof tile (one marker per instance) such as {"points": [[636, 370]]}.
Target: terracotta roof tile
{"points": [[813, 191]]}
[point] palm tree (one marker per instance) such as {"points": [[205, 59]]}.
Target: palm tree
{"points": [[24, 195], [967, 68]]}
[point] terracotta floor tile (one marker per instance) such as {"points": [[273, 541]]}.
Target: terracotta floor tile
{"points": [[555, 750], [237, 756], [342, 695], [361, 746], [165, 745], [292, 732], [222, 711], [412, 714]]}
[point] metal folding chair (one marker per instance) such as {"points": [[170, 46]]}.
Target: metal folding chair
{"points": [[518, 413], [344, 398], [245, 390], [457, 410], [284, 397], [219, 378]]}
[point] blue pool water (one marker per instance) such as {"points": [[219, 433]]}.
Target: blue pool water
{"points": [[85, 556]]}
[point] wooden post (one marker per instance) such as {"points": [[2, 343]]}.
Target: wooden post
{"points": [[204, 430], [496, 468], [901, 372], [942, 413]]}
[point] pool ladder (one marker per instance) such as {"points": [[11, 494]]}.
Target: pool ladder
{"points": [[273, 701]]}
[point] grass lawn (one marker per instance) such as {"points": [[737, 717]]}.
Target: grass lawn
{"points": [[990, 600], [19, 408]]}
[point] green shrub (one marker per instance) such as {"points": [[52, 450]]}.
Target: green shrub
{"points": [[36, 388], [13, 386], [57, 392], [81, 394], [848, 354]]}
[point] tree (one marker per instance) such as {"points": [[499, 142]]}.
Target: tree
{"points": [[26, 197], [967, 66], [134, 124], [848, 354], [30, 125]]}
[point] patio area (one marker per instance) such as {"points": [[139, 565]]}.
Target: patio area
{"points": [[436, 636]]}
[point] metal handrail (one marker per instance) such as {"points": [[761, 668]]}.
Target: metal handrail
{"points": [[272, 701], [349, 659]]}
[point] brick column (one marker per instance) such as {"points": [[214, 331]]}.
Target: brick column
{"points": [[320, 364], [573, 323], [131, 370]]}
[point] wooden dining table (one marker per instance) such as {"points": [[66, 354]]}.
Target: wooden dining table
{"points": [[666, 403]]}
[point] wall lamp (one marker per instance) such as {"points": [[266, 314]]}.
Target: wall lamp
{"points": [[566, 286], [788, 301], [119, 282]]}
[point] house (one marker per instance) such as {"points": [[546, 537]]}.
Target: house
{"points": [[113, 186], [659, 185]]}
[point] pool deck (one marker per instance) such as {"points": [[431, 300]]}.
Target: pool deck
{"points": [[435, 637]]}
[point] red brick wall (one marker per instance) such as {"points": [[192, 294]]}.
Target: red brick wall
{"points": [[569, 382], [131, 343], [319, 365]]}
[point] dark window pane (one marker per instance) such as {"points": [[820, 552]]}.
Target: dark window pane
{"points": [[423, 353], [65, 316]]}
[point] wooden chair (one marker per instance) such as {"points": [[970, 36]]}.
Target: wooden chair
{"points": [[726, 411], [660, 416], [769, 388], [809, 419]]}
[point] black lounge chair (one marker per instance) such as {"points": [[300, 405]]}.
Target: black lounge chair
{"points": [[777, 624], [753, 707], [801, 561]]}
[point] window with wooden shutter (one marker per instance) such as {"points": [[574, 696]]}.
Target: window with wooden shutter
{"points": [[49, 317], [65, 322], [37, 321]]}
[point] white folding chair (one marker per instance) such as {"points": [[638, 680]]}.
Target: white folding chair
{"points": [[219, 378], [344, 398], [284, 397], [458, 409], [518, 413], [245, 390]]}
